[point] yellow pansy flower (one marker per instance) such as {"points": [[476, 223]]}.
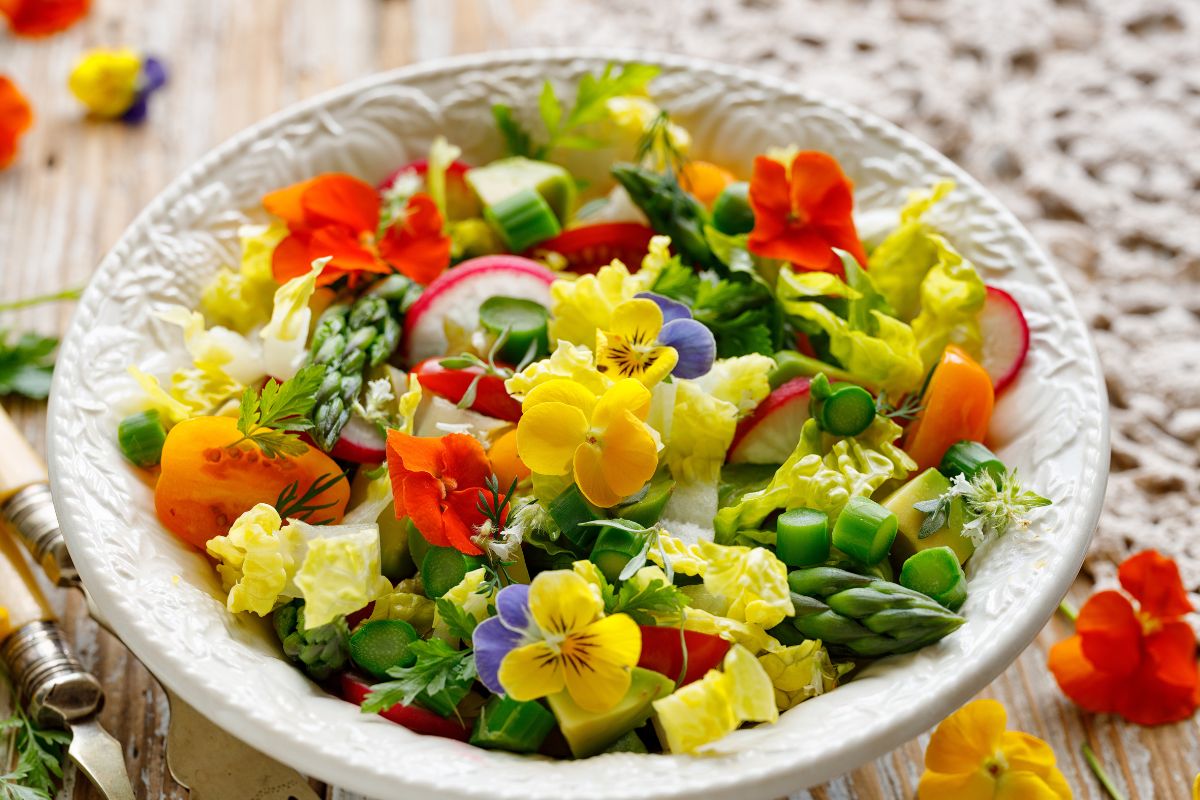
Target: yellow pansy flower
{"points": [[562, 641], [603, 441], [630, 348], [106, 81], [972, 757]]}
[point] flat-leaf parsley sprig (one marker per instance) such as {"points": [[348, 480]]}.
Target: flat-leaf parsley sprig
{"points": [[273, 418], [32, 759], [991, 506]]}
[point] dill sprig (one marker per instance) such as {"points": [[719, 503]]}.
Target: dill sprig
{"points": [[291, 504], [907, 409], [657, 150]]}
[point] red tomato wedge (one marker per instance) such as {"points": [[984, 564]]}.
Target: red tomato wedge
{"points": [[591, 247], [491, 398], [418, 720], [663, 653]]}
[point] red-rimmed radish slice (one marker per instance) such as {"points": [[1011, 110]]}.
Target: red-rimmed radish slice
{"points": [[590, 247], [770, 434], [360, 442], [454, 297], [1005, 337], [461, 202]]}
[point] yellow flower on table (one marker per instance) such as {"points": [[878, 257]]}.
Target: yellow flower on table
{"points": [[106, 81], [972, 757], [630, 348], [603, 441]]}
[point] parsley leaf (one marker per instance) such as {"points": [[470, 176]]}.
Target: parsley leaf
{"points": [[518, 141], [439, 679], [740, 311], [272, 418], [26, 364], [458, 622], [643, 602], [40, 755]]}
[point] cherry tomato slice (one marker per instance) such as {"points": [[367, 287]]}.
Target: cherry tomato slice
{"points": [[591, 247], [416, 719], [491, 398], [662, 652]]}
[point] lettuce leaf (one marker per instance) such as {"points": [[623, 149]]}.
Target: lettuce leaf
{"points": [[823, 472], [900, 262], [285, 335], [241, 300], [881, 351]]}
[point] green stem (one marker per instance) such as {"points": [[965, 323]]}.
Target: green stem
{"points": [[1067, 610], [30, 302], [1098, 770]]}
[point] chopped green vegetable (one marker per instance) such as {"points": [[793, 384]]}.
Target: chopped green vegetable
{"points": [[379, 645], [802, 537], [443, 568], [843, 409], [936, 572], [570, 510], [141, 437], [523, 325], [969, 458], [273, 418], [731, 212], [616, 548], [320, 651], [512, 725], [522, 219], [864, 530], [26, 365]]}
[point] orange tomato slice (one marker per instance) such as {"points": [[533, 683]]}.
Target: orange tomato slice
{"points": [[957, 405]]}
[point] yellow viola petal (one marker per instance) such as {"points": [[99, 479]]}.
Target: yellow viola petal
{"points": [[625, 395], [977, 785], [562, 602], [595, 685], [561, 390], [531, 671], [639, 320], [628, 455], [1021, 785], [1196, 788], [548, 435], [588, 468], [659, 363], [1024, 751], [966, 738], [616, 638]]}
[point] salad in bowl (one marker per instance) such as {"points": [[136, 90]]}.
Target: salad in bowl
{"points": [[561, 461]]}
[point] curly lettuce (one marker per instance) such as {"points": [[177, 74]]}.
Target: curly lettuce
{"points": [[285, 336], [800, 672], [823, 472], [743, 381], [571, 361], [242, 300], [899, 264], [869, 343], [471, 596]]}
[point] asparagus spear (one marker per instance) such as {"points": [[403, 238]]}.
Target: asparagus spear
{"points": [[349, 340], [863, 616], [672, 211]]}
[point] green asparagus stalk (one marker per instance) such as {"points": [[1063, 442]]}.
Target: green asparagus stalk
{"points": [[349, 340], [672, 211], [858, 615], [319, 651]]}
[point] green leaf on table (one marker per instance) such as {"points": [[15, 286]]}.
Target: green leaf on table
{"points": [[26, 364]]}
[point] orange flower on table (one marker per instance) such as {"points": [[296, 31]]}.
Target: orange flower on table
{"points": [[971, 756], [42, 17], [338, 215], [1133, 658], [803, 211], [16, 117], [436, 483]]}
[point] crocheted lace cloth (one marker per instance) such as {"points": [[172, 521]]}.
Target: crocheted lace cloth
{"points": [[1082, 115]]}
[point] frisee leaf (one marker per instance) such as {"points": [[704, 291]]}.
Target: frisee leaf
{"points": [[26, 364], [458, 622], [440, 678], [272, 418]]}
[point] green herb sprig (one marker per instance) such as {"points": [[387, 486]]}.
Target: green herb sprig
{"points": [[273, 418], [563, 126], [291, 504], [907, 409], [26, 364], [991, 506], [440, 678], [33, 763]]}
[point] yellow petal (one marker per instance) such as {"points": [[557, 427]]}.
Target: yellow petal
{"points": [[597, 661], [639, 320], [561, 390], [1021, 785], [966, 738], [628, 454], [617, 639], [625, 395], [588, 466], [548, 435], [976, 785], [562, 602], [531, 671]]}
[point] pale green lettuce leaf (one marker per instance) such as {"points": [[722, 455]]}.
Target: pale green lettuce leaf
{"points": [[823, 472], [284, 337], [241, 300], [900, 262], [952, 295]]}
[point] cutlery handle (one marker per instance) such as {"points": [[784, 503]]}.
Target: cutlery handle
{"points": [[51, 684], [19, 465], [19, 592]]}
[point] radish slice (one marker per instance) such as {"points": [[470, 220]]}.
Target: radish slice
{"points": [[1005, 337], [453, 299], [770, 434], [360, 442]]}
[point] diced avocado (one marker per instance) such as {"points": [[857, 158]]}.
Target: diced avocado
{"points": [[647, 509], [926, 486], [590, 732], [501, 179], [629, 743]]}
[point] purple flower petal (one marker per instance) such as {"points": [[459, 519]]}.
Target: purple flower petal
{"points": [[512, 604], [154, 74], [695, 344], [493, 641], [136, 113], [671, 309]]}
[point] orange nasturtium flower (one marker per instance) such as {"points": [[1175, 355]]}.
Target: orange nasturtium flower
{"points": [[803, 211], [42, 17], [972, 757], [338, 215], [436, 483], [1138, 661], [16, 117]]}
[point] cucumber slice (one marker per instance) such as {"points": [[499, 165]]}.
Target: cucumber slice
{"points": [[443, 568], [525, 323], [381, 644], [613, 550]]}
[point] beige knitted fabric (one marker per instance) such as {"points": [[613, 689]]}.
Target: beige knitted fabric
{"points": [[1082, 115]]}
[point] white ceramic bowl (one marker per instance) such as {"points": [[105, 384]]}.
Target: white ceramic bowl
{"points": [[163, 598]]}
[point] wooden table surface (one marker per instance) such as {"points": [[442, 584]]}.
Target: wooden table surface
{"points": [[77, 184]]}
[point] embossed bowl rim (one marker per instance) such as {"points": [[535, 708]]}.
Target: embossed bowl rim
{"points": [[298, 724]]}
